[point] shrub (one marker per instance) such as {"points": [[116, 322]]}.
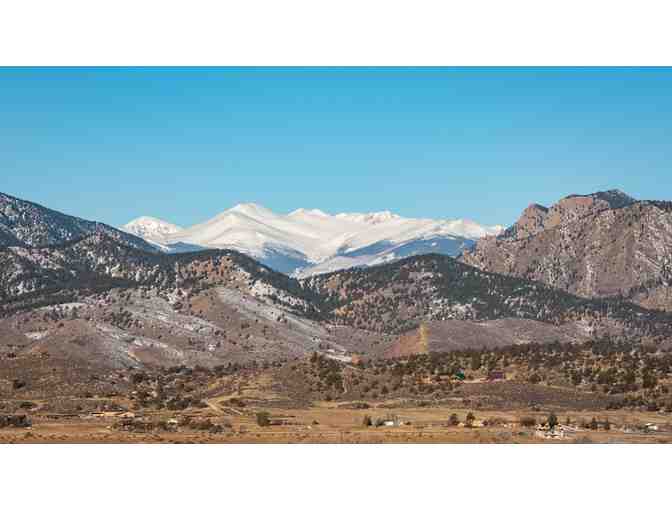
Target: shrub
{"points": [[237, 402], [453, 421], [263, 419], [535, 378], [652, 406], [476, 362], [528, 421], [552, 421], [469, 422]]}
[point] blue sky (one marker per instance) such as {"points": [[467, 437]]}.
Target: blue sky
{"points": [[186, 144]]}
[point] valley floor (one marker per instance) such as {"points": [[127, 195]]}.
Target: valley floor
{"points": [[327, 423], [592, 392]]}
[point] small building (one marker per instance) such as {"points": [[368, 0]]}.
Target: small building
{"points": [[558, 432], [389, 421], [475, 424], [279, 421]]}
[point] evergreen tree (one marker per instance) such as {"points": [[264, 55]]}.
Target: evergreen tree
{"points": [[552, 420]]}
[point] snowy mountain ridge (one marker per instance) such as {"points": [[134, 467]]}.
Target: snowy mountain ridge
{"points": [[311, 241], [151, 228]]}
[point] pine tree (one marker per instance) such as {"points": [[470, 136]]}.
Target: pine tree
{"points": [[552, 421]]}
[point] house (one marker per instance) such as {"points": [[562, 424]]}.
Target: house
{"points": [[279, 421], [475, 424], [390, 421], [559, 432]]}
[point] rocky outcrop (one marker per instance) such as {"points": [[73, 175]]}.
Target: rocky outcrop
{"points": [[601, 245]]}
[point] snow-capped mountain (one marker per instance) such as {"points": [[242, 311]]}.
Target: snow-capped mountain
{"points": [[311, 241], [156, 231], [151, 228]]}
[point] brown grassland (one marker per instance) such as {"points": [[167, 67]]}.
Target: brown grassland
{"points": [[325, 423]]}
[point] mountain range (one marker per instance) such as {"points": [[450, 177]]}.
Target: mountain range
{"points": [[76, 294], [310, 241]]}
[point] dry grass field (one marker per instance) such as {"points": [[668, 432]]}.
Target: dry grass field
{"points": [[327, 422]]}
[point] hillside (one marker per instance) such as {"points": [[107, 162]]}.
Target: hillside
{"points": [[98, 262], [398, 297], [589, 247], [24, 223], [97, 304]]}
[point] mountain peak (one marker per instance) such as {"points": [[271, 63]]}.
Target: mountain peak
{"points": [[251, 209], [536, 207], [537, 217], [308, 212], [373, 218], [615, 198], [151, 228], [146, 219]]}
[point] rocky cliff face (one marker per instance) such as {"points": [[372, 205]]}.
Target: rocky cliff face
{"points": [[537, 218], [531, 222], [601, 245]]}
